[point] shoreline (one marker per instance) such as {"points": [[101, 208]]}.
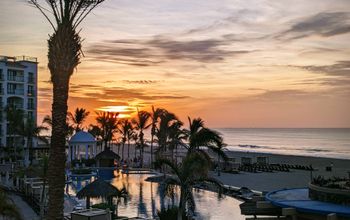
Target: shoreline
{"points": [[251, 150]]}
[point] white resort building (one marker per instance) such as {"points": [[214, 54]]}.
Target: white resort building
{"points": [[18, 89]]}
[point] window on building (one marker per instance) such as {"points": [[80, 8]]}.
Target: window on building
{"points": [[30, 77], [30, 103], [16, 89], [30, 115], [30, 90], [15, 75]]}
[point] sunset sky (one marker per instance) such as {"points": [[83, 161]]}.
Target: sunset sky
{"points": [[234, 63]]}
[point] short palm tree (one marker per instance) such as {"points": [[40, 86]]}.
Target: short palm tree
{"points": [[64, 53], [108, 124], [78, 118], [29, 131], [141, 124], [166, 121], [200, 136], [15, 118], [192, 171]]}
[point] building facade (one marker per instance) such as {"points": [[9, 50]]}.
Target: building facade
{"points": [[18, 90]]}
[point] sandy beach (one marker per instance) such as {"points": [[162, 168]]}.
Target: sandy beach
{"points": [[279, 180], [269, 181]]}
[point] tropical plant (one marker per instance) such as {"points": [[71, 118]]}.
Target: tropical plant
{"points": [[192, 171], [141, 124], [78, 118], [166, 121], [200, 136], [108, 125], [125, 129], [47, 122], [29, 130], [15, 118], [8, 209], [64, 53], [154, 115]]}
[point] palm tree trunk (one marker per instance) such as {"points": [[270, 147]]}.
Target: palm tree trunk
{"points": [[128, 149], [123, 150], [181, 205], [64, 52], [57, 161], [151, 150]]}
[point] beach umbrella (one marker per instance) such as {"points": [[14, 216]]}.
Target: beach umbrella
{"points": [[97, 189]]}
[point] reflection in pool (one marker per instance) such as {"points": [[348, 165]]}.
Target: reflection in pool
{"points": [[146, 198]]}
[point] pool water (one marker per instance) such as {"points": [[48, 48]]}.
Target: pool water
{"points": [[145, 198]]}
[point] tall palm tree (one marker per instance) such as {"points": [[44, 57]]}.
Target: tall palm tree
{"points": [[166, 121], [198, 135], [155, 114], [129, 136], [64, 53], [108, 123], [78, 118], [176, 137], [141, 124], [124, 128], [193, 170]]}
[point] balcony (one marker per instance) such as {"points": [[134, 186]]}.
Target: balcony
{"points": [[31, 106], [31, 80], [30, 93], [16, 105], [15, 78], [16, 92]]}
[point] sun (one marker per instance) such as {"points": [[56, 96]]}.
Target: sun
{"points": [[123, 110]]}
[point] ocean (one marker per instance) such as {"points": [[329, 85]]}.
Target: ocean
{"points": [[317, 142]]}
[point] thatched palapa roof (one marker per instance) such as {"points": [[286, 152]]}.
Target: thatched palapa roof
{"points": [[98, 188], [107, 154]]}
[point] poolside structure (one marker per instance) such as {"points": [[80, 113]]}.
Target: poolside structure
{"points": [[294, 204], [98, 189], [106, 158], [81, 145]]}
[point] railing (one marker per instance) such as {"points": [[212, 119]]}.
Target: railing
{"points": [[30, 93], [16, 78], [18, 58], [16, 92], [16, 105], [30, 106], [31, 80]]}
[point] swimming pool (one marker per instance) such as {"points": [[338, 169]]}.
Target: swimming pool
{"points": [[146, 198]]}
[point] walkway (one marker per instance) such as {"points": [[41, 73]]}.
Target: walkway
{"points": [[25, 210]]}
